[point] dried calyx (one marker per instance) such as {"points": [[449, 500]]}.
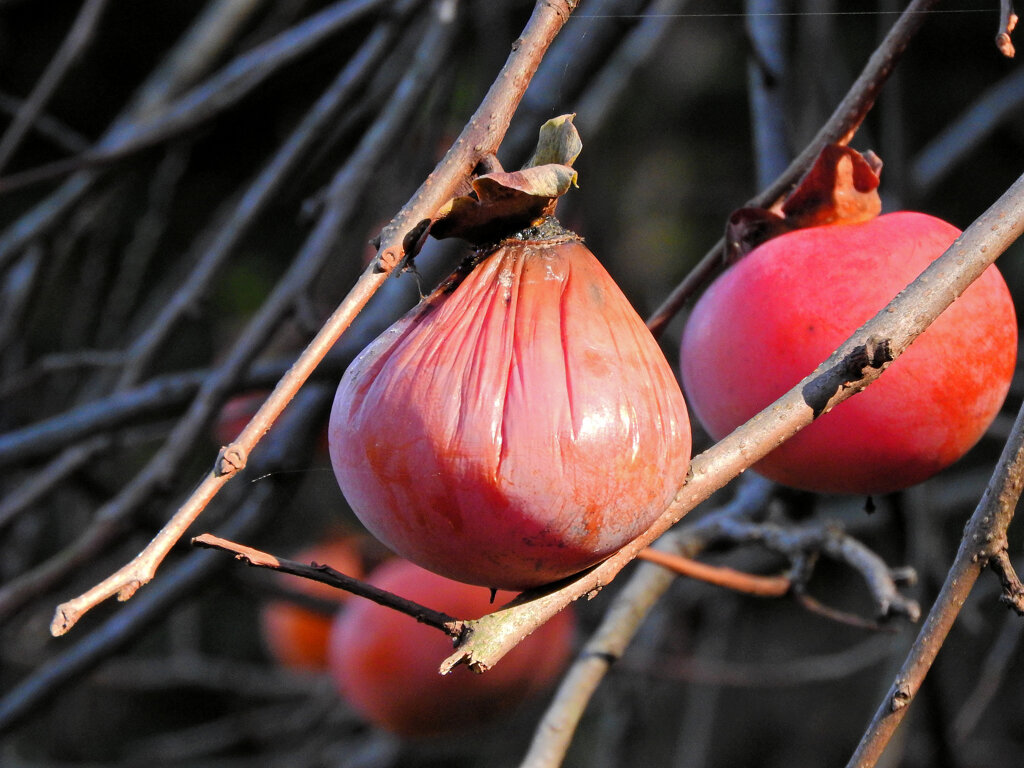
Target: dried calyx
{"points": [[505, 203], [840, 188]]}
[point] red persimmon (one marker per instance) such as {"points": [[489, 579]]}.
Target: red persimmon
{"points": [[518, 426], [770, 319], [296, 636], [386, 663]]}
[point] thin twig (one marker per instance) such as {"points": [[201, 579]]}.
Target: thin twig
{"points": [[257, 728], [605, 89], [840, 127], [238, 678], [894, 327], [694, 742], [316, 250], [618, 626], [198, 49], [43, 481], [813, 605], [159, 397], [571, 65], [254, 505], [136, 261], [775, 674], [206, 100], [323, 573], [1013, 590], [984, 539], [257, 196], [77, 40], [60, 362], [802, 544], [991, 677], [46, 125], [959, 138], [480, 137], [729, 526], [201, 47], [729, 578], [766, 77], [1007, 23]]}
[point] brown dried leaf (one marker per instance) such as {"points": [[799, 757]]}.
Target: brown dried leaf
{"points": [[559, 143], [543, 181], [504, 202], [840, 188]]}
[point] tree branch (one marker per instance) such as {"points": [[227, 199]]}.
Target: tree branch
{"points": [[206, 100], [200, 46], [1007, 23], [77, 40], [479, 138], [839, 377], [983, 542], [323, 573], [618, 626], [840, 127], [292, 151], [287, 449], [959, 138], [731, 525], [729, 578]]}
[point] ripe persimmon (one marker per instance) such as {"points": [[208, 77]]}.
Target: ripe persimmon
{"points": [[385, 663], [295, 635], [771, 318]]}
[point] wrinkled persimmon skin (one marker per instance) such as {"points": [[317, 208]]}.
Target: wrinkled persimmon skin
{"points": [[515, 429], [773, 317], [385, 663]]}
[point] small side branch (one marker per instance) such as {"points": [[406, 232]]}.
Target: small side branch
{"points": [[841, 126], [983, 543], [77, 40], [480, 138], [323, 573], [620, 623], [729, 578], [803, 546], [1013, 589], [1007, 23]]}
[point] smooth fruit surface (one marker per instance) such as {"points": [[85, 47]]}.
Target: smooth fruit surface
{"points": [[386, 663], [515, 427], [774, 316], [297, 636]]}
